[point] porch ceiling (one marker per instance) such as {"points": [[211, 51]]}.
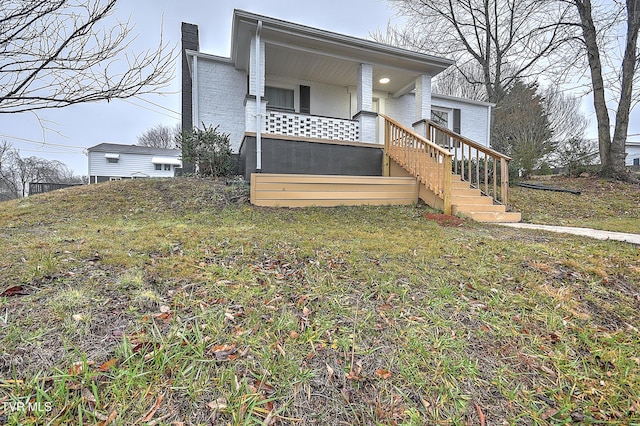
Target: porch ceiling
{"points": [[298, 51], [315, 66]]}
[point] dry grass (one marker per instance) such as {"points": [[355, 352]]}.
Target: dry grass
{"points": [[176, 301], [602, 204]]}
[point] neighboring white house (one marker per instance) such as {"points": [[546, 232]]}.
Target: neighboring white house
{"points": [[286, 81], [633, 154], [110, 161]]}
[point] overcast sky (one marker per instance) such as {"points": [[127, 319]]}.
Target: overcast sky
{"points": [[71, 130]]}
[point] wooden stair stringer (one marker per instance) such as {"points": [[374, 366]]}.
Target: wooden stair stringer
{"points": [[465, 201]]}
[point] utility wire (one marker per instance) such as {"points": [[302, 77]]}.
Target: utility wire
{"points": [[149, 109], [36, 142]]}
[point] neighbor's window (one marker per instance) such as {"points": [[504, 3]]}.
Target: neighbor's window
{"points": [[636, 161], [280, 98], [167, 167], [112, 160], [158, 166]]}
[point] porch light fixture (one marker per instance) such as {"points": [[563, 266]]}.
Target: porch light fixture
{"points": [[384, 80]]}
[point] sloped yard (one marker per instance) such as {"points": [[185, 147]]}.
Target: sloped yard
{"points": [[176, 302]]}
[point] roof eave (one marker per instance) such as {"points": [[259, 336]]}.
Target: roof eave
{"points": [[386, 54]]}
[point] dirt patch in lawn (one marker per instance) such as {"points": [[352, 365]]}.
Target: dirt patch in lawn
{"points": [[444, 219]]}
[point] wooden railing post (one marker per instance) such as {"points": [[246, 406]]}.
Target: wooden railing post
{"points": [[447, 185], [386, 165], [504, 169]]}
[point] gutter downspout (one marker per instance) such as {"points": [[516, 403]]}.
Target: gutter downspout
{"points": [[258, 100]]}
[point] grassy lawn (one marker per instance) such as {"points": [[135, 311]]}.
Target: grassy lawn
{"points": [[177, 302], [602, 204]]}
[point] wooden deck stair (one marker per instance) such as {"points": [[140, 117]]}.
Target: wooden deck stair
{"points": [[469, 202]]}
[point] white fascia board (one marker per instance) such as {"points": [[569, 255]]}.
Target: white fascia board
{"points": [[192, 53], [112, 155], [462, 100], [332, 44]]}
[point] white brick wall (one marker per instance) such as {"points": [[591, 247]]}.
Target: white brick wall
{"points": [[401, 109], [330, 101], [221, 92], [474, 117], [365, 87], [423, 98]]}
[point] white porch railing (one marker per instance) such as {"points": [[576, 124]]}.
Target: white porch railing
{"points": [[311, 126]]}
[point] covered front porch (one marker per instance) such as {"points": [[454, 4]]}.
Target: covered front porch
{"points": [[310, 83]]}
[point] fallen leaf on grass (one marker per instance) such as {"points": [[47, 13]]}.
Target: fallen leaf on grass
{"points": [[225, 352], [109, 419], [219, 404], [263, 386], [165, 316], [480, 415], [153, 409], [383, 374], [330, 372], [549, 413], [108, 365], [16, 290]]}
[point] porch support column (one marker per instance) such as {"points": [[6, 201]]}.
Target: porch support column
{"points": [[255, 106], [365, 116], [423, 104]]}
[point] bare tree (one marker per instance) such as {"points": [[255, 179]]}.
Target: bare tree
{"points": [[607, 78], [63, 52], [160, 136], [16, 172], [507, 39], [566, 121], [453, 82]]}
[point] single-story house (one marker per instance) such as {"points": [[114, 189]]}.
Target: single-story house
{"points": [[110, 161], [633, 154], [297, 100]]}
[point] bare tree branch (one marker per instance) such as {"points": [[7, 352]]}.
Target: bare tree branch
{"points": [[161, 136], [63, 52], [507, 39]]}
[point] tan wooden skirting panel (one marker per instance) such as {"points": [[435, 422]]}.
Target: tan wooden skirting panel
{"points": [[295, 190]]}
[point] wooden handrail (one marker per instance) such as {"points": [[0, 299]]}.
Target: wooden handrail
{"points": [[428, 162], [434, 158], [469, 155]]}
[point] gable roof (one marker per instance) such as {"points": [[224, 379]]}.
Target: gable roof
{"points": [[134, 149]]}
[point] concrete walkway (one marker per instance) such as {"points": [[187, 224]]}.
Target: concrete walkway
{"points": [[587, 232]]}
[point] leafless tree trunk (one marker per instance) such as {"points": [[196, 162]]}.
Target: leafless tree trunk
{"points": [[612, 150], [63, 52]]}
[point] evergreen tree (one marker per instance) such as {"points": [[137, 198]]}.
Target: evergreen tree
{"points": [[521, 128]]}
